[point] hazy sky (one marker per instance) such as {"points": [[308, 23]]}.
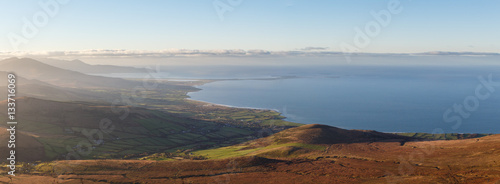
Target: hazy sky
{"points": [[421, 26]]}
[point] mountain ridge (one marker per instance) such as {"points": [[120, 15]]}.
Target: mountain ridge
{"points": [[33, 69], [82, 67]]}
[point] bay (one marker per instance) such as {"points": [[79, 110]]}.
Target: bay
{"points": [[388, 99]]}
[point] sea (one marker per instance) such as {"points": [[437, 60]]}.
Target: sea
{"points": [[408, 98]]}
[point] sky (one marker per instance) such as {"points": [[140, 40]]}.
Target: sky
{"points": [[279, 25]]}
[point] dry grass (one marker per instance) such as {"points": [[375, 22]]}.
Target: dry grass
{"points": [[457, 161]]}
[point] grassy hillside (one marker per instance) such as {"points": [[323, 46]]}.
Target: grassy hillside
{"points": [[24, 151], [62, 113], [380, 159], [160, 120], [57, 125], [307, 139], [299, 141]]}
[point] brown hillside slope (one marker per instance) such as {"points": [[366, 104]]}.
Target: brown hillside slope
{"points": [[27, 147], [324, 134], [304, 140], [457, 161]]}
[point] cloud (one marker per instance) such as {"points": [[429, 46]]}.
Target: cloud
{"points": [[163, 53], [443, 53], [314, 48], [307, 51]]}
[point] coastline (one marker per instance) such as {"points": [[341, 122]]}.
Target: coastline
{"points": [[284, 120], [229, 106], [201, 82]]}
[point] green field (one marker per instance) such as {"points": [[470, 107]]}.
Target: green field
{"points": [[274, 150], [163, 121]]}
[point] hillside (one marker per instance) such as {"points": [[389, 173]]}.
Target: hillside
{"points": [[58, 124], [324, 134], [82, 67], [20, 80], [38, 89], [35, 70], [24, 151], [167, 139], [299, 141], [383, 161]]}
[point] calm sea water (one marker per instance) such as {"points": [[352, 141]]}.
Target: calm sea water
{"points": [[382, 98], [388, 99]]}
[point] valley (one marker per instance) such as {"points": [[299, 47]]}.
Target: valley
{"points": [[91, 129]]}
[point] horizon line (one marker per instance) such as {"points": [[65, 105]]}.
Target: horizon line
{"points": [[308, 51]]}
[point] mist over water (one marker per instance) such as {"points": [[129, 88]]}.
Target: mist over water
{"points": [[383, 98], [389, 99]]}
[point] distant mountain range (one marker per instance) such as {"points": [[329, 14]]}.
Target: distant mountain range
{"points": [[61, 111], [35, 70], [82, 67], [55, 104]]}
